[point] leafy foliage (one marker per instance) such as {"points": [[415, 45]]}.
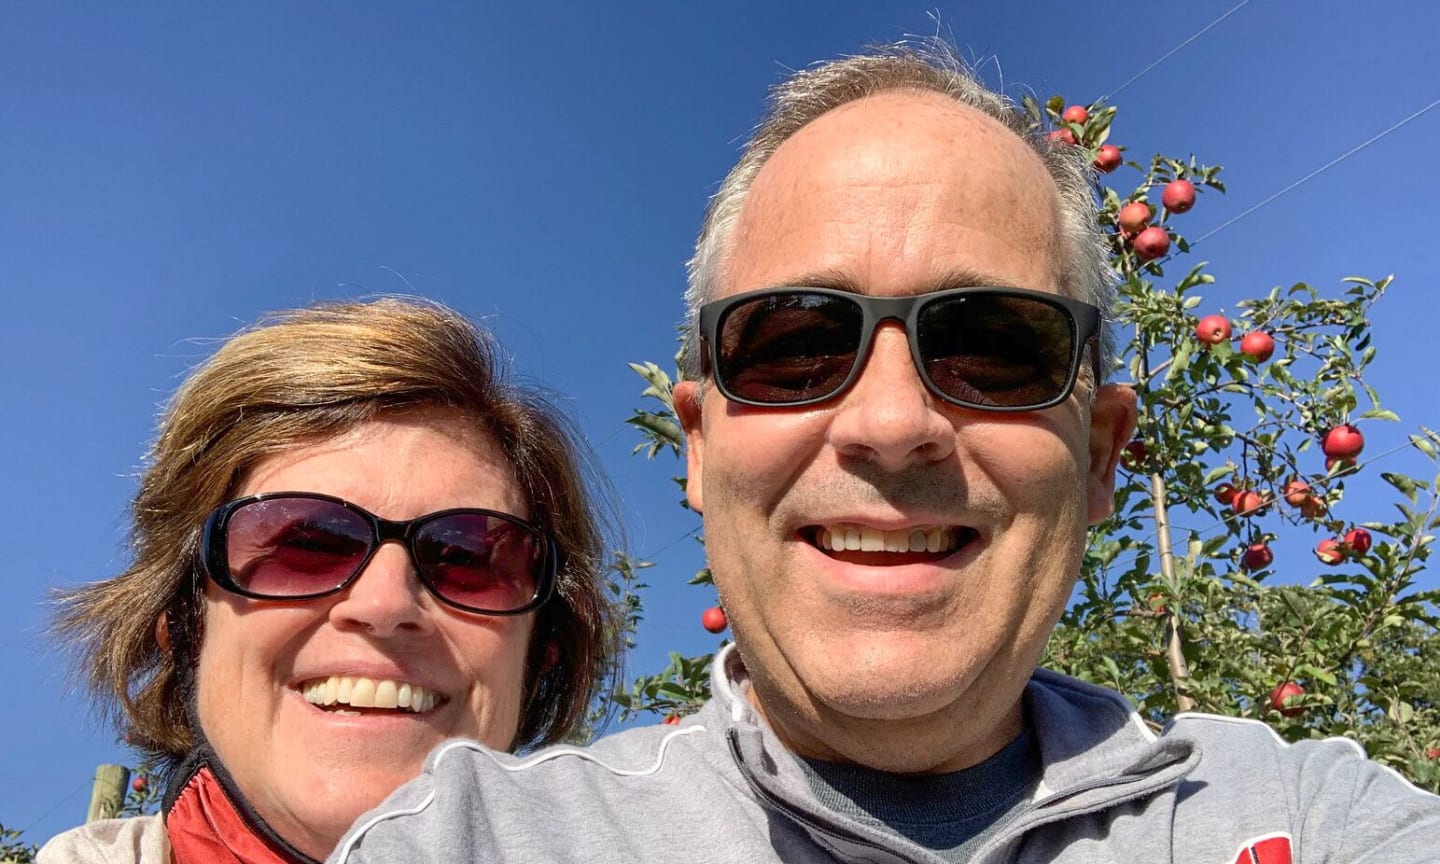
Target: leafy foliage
{"points": [[13, 850]]}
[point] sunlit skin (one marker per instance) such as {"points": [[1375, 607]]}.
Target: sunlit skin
{"points": [[310, 772], [909, 664]]}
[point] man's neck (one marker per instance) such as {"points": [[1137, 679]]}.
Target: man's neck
{"points": [[960, 735]]}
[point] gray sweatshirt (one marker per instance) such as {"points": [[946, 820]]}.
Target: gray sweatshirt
{"points": [[721, 788]]}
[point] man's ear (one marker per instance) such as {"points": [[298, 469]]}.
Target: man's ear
{"points": [[687, 407], [1112, 422]]}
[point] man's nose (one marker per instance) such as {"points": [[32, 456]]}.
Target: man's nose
{"points": [[888, 416]]}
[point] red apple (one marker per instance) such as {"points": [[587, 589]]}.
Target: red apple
{"points": [[1432, 752], [1135, 453], [1225, 494], [1133, 217], [1258, 345], [1343, 442], [1075, 114], [1357, 540], [1151, 243], [713, 619], [1107, 158], [1248, 502], [1213, 329], [1257, 557], [1156, 602], [1282, 699], [1339, 467], [1296, 493], [139, 784], [1329, 551], [671, 720], [1062, 136], [1179, 196], [1314, 507]]}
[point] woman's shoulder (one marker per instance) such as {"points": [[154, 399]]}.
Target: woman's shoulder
{"points": [[136, 840]]}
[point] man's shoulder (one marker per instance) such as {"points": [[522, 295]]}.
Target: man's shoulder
{"points": [[1249, 745], [637, 752], [136, 840], [598, 801]]}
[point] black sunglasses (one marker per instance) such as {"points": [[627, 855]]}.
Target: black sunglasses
{"points": [[993, 349], [302, 545]]}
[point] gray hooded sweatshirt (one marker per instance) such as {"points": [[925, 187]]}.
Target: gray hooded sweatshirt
{"points": [[721, 788]]}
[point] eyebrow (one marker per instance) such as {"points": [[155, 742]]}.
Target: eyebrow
{"points": [[839, 280]]}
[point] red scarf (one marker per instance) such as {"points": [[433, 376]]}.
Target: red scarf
{"points": [[206, 825]]}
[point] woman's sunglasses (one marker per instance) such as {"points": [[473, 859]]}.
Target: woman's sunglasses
{"points": [[299, 546], [993, 349]]}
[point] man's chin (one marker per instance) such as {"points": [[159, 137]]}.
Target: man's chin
{"points": [[892, 682]]}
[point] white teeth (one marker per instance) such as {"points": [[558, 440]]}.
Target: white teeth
{"points": [[362, 695], [369, 693], [863, 538]]}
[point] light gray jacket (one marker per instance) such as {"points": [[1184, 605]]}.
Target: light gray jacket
{"points": [[721, 788]]}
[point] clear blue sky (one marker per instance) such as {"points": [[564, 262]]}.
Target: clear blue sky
{"points": [[170, 171]]}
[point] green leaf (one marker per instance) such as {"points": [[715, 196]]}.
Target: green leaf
{"points": [[1425, 445], [1179, 361], [1407, 486], [1380, 414], [1216, 473]]}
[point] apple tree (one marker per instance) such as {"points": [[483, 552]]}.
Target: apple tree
{"points": [[13, 849], [1234, 577]]}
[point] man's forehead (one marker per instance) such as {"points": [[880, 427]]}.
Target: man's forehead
{"points": [[946, 280], [894, 175]]}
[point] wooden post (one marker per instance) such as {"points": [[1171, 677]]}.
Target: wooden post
{"points": [[108, 794]]}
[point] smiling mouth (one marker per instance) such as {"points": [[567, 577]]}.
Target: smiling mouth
{"points": [[354, 695], [864, 544]]}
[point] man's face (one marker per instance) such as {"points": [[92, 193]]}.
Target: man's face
{"points": [[909, 661]]}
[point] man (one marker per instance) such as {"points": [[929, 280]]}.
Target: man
{"points": [[897, 434]]}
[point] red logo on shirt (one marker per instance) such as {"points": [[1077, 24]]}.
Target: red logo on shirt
{"points": [[1269, 849]]}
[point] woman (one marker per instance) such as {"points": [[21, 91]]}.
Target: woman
{"points": [[287, 663]]}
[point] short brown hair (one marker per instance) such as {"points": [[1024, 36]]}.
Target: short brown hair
{"points": [[924, 66], [296, 377]]}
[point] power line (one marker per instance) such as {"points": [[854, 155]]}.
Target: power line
{"points": [[1167, 54], [66, 799], [1328, 165]]}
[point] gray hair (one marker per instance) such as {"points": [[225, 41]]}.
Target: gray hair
{"points": [[931, 65]]}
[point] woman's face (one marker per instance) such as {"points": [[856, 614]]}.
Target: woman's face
{"points": [[310, 771]]}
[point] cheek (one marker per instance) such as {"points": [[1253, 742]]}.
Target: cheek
{"points": [[245, 654], [753, 456], [496, 660], [1039, 465]]}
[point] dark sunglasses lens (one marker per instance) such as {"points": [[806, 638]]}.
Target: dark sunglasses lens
{"points": [[481, 562], [291, 547], [788, 347], [997, 350]]}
